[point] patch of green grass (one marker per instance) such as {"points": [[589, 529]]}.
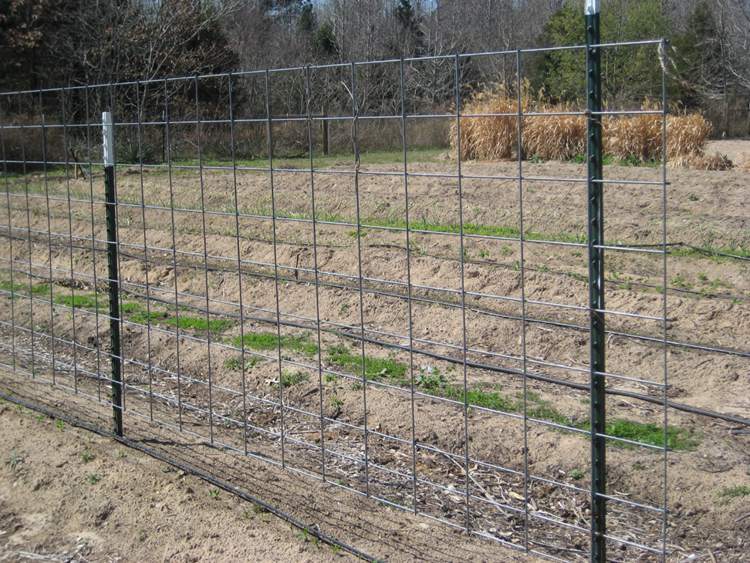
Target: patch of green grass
{"points": [[738, 491], [93, 478], [375, 368], [537, 408], [681, 281], [60, 425], [576, 474], [270, 341], [87, 456], [128, 308], [23, 289], [235, 363], [142, 316], [336, 402], [80, 301], [713, 252], [201, 324], [214, 493], [291, 378], [430, 380], [186, 322], [649, 433], [488, 399], [474, 229]]}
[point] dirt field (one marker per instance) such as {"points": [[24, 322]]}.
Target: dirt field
{"points": [[199, 381], [69, 495]]}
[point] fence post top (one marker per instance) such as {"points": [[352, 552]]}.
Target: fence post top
{"points": [[108, 143], [592, 7]]}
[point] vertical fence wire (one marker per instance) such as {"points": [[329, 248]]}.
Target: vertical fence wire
{"points": [[409, 285], [316, 269], [199, 134], [277, 298], [664, 320], [66, 149], [53, 343], [94, 276], [147, 288], [11, 254], [238, 238], [360, 284], [462, 267], [168, 149], [30, 271], [522, 273]]}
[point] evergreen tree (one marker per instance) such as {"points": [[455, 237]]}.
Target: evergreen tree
{"points": [[629, 73]]}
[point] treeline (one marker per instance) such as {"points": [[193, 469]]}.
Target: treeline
{"points": [[78, 42]]}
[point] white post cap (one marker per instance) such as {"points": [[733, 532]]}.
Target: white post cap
{"points": [[592, 7], [108, 139]]}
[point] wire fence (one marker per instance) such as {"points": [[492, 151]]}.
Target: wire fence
{"points": [[408, 325]]}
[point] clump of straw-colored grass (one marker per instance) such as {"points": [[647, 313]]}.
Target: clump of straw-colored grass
{"points": [[487, 138], [561, 136], [554, 137]]}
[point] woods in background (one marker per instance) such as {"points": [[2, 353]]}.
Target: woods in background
{"points": [[62, 42]]}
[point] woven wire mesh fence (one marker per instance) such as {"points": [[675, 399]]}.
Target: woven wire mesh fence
{"points": [[294, 273]]}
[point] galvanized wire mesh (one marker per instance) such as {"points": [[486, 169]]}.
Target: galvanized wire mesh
{"points": [[361, 318]]}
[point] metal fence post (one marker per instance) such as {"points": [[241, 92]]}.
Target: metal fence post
{"points": [[108, 146], [596, 284]]}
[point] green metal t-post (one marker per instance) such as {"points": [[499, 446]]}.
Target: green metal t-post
{"points": [[108, 147], [596, 284]]}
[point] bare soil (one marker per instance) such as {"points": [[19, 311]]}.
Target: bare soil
{"points": [[70, 495], [325, 428]]}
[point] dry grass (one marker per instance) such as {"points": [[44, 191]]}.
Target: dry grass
{"points": [[633, 138], [558, 137], [488, 138]]}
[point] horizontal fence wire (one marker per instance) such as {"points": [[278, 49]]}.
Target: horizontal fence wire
{"points": [[409, 326]]}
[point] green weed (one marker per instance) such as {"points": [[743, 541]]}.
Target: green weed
{"points": [[201, 324], [681, 281], [336, 402], [14, 461], [738, 491], [270, 341], [430, 380], [652, 434], [375, 368], [80, 301], [23, 289], [576, 474], [291, 378], [235, 363]]}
